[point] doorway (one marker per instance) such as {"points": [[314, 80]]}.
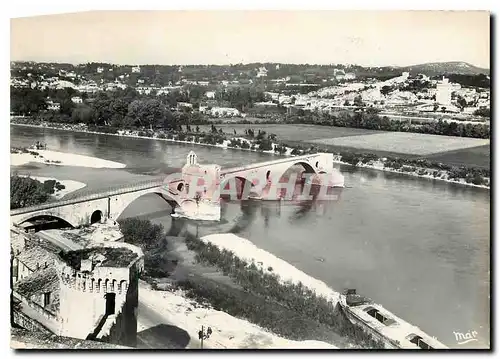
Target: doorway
{"points": [[110, 303]]}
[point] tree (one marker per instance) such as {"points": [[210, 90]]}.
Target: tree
{"points": [[26, 191], [142, 233], [385, 90], [358, 101], [150, 113], [483, 112], [82, 114], [462, 103], [26, 101], [151, 239]]}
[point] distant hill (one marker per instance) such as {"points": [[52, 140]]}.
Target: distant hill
{"points": [[438, 68]]}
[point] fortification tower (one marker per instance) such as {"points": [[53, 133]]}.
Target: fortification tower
{"points": [[99, 293]]}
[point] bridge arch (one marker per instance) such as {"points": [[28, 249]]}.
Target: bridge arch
{"points": [[237, 188], [298, 172], [121, 202], [47, 216]]}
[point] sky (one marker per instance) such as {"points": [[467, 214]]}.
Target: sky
{"points": [[368, 38]]}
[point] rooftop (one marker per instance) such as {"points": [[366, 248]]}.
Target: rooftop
{"points": [[40, 282], [36, 256], [107, 256]]}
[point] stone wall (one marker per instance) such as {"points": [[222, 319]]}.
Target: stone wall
{"points": [[28, 323]]}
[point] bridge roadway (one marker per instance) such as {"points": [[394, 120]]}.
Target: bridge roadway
{"points": [[89, 196]]}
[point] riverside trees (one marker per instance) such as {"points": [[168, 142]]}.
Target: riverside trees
{"points": [[151, 239], [26, 191]]}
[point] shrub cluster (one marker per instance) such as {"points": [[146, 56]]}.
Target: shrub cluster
{"points": [[295, 297]]}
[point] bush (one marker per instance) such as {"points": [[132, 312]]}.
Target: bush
{"points": [[151, 239], [49, 186], [295, 297], [265, 145]]}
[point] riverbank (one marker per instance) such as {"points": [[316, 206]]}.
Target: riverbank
{"points": [[421, 172], [228, 332], [69, 185], [270, 293], [20, 158], [438, 171]]}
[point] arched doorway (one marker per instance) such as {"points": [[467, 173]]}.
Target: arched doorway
{"points": [[96, 217]]}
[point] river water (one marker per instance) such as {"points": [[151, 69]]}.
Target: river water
{"points": [[419, 247]]}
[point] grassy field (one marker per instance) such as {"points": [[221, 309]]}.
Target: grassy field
{"points": [[457, 151], [404, 142], [475, 156], [287, 132]]}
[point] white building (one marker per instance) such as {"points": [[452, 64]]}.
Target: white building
{"points": [[100, 70], [372, 95], [136, 69], [210, 94], [350, 76], [262, 72], [224, 111], [443, 92], [76, 99], [53, 106]]}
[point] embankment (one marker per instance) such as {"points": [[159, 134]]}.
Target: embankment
{"points": [[261, 274]]}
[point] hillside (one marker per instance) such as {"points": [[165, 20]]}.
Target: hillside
{"points": [[438, 68]]}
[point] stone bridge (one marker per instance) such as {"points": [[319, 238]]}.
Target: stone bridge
{"points": [[91, 208]]}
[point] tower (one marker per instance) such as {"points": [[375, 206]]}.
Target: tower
{"points": [[99, 293]]}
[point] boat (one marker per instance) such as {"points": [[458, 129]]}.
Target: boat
{"points": [[384, 325], [38, 146]]}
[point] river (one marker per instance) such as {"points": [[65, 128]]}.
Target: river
{"points": [[419, 247]]}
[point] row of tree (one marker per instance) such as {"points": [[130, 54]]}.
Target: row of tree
{"points": [[369, 119]]}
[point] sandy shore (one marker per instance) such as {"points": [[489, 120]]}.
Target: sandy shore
{"points": [[228, 332], [70, 186], [62, 159]]}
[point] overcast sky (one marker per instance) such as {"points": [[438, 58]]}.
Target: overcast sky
{"points": [[370, 38]]}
